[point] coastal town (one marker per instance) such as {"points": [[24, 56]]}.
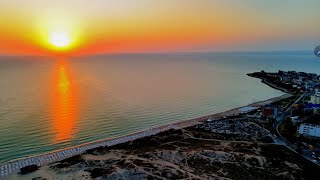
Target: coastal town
{"points": [[273, 139], [296, 120]]}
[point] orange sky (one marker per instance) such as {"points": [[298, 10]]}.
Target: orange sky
{"points": [[108, 26]]}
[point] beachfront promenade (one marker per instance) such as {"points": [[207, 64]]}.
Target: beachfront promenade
{"points": [[43, 159]]}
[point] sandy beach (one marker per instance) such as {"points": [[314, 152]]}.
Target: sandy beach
{"points": [[14, 166], [187, 153]]}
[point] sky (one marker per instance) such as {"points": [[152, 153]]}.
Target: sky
{"points": [[128, 26]]}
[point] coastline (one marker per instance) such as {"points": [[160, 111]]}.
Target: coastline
{"points": [[268, 83], [14, 166], [274, 86]]}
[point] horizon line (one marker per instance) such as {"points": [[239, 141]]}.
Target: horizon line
{"points": [[163, 53]]}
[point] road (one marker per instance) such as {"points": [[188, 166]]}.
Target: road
{"points": [[281, 140], [285, 113]]}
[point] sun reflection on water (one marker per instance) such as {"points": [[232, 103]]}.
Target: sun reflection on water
{"points": [[64, 104]]}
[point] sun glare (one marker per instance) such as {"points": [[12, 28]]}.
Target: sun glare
{"points": [[60, 39]]}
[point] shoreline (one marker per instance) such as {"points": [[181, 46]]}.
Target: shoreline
{"points": [[264, 81], [268, 83], [15, 165]]}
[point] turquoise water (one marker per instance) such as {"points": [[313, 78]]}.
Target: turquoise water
{"points": [[46, 104]]}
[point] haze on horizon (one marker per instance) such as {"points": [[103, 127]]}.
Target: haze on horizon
{"points": [[120, 26]]}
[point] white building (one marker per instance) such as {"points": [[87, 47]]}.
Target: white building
{"points": [[297, 81], [309, 130], [315, 99], [247, 109]]}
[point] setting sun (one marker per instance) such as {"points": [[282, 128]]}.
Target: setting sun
{"points": [[60, 39]]}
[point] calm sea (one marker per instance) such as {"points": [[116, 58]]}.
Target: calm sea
{"points": [[46, 104]]}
